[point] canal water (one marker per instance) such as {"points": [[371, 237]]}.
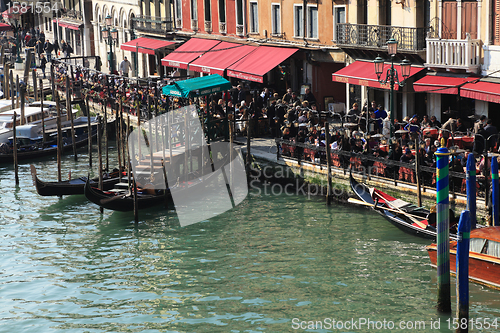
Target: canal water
{"points": [[275, 263]]}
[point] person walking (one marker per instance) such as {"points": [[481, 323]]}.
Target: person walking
{"points": [[39, 49], [43, 64], [48, 47], [125, 67], [55, 46]]}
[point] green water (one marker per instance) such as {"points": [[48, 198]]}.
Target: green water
{"points": [[265, 266]]}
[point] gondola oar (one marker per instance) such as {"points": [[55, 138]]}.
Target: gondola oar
{"points": [[421, 224], [417, 223]]}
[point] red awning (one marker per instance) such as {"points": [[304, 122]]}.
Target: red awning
{"points": [[145, 45], [362, 73], [70, 25], [15, 11], [256, 64], [220, 57], [482, 90], [441, 84], [188, 52], [5, 27]]}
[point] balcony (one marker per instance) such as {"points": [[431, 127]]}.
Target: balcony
{"points": [[208, 26], [222, 27], [72, 14], [152, 24], [375, 37], [491, 64], [194, 24], [454, 54]]}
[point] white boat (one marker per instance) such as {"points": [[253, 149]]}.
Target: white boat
{"points": [[32, 116]]}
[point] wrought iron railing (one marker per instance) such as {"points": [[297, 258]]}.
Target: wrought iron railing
{"points": [[376, 36], [152, 24], [73, 14]]}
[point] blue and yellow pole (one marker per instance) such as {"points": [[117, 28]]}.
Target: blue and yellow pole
{"points": [[463, 244], [443, 226], [494, 191], [471, 189]]}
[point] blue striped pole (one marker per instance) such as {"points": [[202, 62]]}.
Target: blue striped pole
{"points": [[494, 191], [443, 226], [471, 189], [463, 244]]}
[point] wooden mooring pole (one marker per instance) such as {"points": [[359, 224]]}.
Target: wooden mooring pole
{"points": [[417, 174], [59, 138], [14, 149], [99, 156], [249, 135], [328, 164], [495, 202], [471, 188], [89, 130], [35, 88], [43, 113], [69, 113], [462, 269]]}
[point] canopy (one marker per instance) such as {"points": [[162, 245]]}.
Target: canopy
{"points": [[145, 45], [482, 90], [198, 86], [362, 73], [255, 65], [220, 57], [441, 84], [5, 27], [15, 11], [188, 52], [69, 24]]}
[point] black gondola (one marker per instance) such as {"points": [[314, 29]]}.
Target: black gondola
{"points": [[411, 219], [124, 202], [72, 186]]}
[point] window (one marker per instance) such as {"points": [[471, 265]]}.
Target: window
{"points": [[222, 10], [276, 19], [338, 17], [254, 17], [298, 18], [312, 22], [194, 10], [178, 13], [239, 12], [208, 11]]}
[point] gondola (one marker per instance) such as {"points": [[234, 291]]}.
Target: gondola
{"points": [[72, 186], [411, 219], [124, 201]]}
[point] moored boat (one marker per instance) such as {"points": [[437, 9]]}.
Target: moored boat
{"points": [[411, 219], [71, 186], [484, 256]]}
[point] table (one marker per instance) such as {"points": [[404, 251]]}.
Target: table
{"points": [[430, 133]]}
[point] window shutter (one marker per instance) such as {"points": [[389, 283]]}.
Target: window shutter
{"points": [[496, 22]]}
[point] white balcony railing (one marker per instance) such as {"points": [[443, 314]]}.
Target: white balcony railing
{"points": [[491, 64], [454, 53]]}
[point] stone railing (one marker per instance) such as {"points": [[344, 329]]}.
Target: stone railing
{"points": [[454, 54], [222, 27], [194, 24], [208, 26]]}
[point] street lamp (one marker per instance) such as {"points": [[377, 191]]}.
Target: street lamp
{"points": [[392, 74], [110, 38]]}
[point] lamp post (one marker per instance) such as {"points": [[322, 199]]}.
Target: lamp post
{"points": [[110, 37], [392, 74]]}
